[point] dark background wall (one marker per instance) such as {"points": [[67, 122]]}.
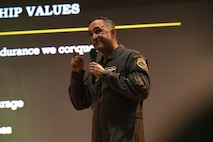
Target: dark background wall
{"points": [[179, 107]]}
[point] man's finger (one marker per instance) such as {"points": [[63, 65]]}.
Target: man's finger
{"points": [[74, 53]]}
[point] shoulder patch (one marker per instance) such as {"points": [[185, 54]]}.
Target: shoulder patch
{"points": [[141, 63]]}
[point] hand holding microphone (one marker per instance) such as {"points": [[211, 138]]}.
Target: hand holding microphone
{"points": [[93, 67]]}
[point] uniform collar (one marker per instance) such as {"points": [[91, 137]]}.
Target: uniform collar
{"points": [[114, 54]]}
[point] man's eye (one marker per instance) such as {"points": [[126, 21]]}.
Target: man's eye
{"points": [[97, 31]]}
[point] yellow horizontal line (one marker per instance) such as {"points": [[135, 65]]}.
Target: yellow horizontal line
{"points": [[82, 29], [155, 25]]}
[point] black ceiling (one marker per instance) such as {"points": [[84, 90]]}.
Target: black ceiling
{"points": [[94, 4]]}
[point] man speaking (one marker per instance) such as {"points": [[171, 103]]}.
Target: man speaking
{"points": [[114, 87]]}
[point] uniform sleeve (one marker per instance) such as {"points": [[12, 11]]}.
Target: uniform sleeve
{"points": [[78, 91], [135, 83]]}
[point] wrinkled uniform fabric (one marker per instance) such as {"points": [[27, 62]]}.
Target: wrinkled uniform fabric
{"points": [[116, 98]]}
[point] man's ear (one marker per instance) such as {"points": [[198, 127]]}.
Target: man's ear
{"points": [[113, 33]]}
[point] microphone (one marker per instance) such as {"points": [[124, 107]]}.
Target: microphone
{"points": [[93, 55]]}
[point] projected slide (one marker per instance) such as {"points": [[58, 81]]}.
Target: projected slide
{"points": [[37, 39]]}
